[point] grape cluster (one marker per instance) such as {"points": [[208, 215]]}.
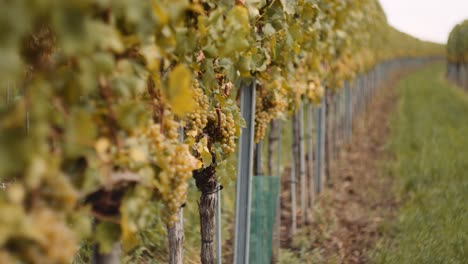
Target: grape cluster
{"points": [[270, 104], [224, 129], [55, 241], [175, 162], [261, 123], [58, 241], [196, 121], [315, 91], [228, 132]]}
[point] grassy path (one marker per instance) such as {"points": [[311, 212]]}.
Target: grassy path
{"points": [[429, 141]]}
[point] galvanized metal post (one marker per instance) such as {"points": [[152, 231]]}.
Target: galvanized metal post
{"points": [[323, 140], [333, 118], [244, 175], [219, 244], [278, 157], [348, 111], [343, 115], [320, 145], [366, 91], [361, 94], [310, 152], [258, 159], [302, 166], [293, 193], [342, 118], [277, 241]]}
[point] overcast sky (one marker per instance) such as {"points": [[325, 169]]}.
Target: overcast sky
{"points": [[426, 19]]}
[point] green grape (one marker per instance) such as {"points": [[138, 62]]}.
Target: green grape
{"points": [[196, 121]]}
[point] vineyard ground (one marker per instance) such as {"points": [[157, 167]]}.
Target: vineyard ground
{"points": [[398, 193], [348, 215]]}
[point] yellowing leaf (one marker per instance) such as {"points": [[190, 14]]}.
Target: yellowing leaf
{"points": [[201, 24], [194, 162], [106, 234], [179, 92], [202, 148], [237, 30], [159, 13], [36, 172], [197, 8], [129, 238]]}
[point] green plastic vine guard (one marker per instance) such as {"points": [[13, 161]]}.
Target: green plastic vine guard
{"points": [[265, 191]]}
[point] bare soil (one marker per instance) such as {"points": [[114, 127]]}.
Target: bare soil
{"points": [[348, 214]]}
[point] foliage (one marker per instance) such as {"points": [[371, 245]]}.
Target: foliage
{"points": [[102, 89]]}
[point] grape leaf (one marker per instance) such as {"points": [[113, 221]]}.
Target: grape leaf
{"points": [[179, 92]]}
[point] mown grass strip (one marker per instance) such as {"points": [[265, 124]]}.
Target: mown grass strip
{"points": [[430, 143]]}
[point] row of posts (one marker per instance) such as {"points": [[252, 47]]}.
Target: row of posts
{"points": [[328, 129]]}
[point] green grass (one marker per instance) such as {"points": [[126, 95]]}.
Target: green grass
{"points": [[430, 143]]}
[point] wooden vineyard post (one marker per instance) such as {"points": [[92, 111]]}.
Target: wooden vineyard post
{"points": [[244, 175], [176, 238]]}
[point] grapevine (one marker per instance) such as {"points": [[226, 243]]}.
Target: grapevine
{"points": [[104, 92]]}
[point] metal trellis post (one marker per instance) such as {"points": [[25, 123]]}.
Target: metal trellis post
{"points": [[244, 175]]}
